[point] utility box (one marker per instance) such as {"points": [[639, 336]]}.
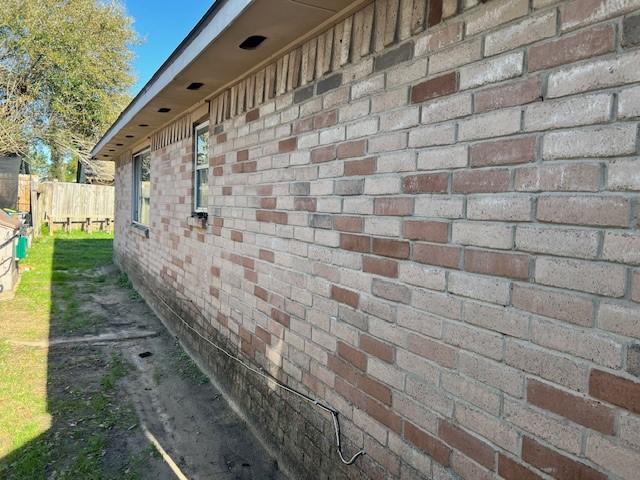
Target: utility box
{"points": [[22, 247]]}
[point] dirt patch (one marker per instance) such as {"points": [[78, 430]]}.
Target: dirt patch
{"points": [[118, 414], [183, 410], [92, 431]]}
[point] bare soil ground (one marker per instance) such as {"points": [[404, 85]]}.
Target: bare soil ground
{"points": [[108, 393]]}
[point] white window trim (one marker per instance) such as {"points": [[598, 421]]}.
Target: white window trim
{"points": [[197, 128], [134, 203]]}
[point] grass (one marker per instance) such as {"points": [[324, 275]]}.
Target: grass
{"points": [[46, 292], [117, 370], [187, 368], [60, 409], [124, 282], [181, 364]]}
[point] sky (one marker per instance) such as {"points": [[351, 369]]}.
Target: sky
{"points": [[162, 24]]}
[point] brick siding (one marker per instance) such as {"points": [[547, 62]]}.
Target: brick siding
{"points": [[438, 237]]}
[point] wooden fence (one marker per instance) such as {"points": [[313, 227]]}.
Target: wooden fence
{"points": [[24, 192], [73, 205]]}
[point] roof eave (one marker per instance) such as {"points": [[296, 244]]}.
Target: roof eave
{"points": [[217, 19]]}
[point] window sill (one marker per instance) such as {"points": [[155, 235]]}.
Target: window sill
{"points": [[140, 229], [197, 221]]}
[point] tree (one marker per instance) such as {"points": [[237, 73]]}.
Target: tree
{"points": [[64, 75]]}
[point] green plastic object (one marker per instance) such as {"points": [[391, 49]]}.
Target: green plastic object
{"points": [[21, 247]]}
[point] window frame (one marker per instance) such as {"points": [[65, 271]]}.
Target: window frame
{"points": [[135, 214], [196, 128]]}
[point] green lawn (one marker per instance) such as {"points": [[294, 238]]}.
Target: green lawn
{"points": [[59, 408]]}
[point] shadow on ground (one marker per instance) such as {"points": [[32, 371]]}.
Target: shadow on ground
{"points": [[93, 387]]}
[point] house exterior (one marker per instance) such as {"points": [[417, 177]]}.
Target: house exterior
{"points": [[96, 172], [421, 213]]}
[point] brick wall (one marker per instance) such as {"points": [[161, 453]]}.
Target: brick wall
{"points": [[438, 237]]}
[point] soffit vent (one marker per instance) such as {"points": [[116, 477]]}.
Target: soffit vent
{"points": [[252, 42]]}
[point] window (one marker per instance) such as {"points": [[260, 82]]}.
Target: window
{"points": [[142, 187], [201, 167]]}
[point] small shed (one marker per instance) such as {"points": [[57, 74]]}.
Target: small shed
{"points": [[9, 232], [11, 167]]}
